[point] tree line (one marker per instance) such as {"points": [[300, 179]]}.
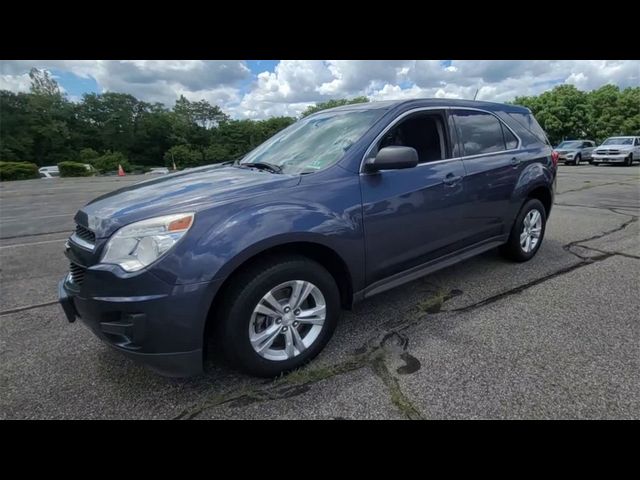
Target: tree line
{"points": [[566, 113], [44, 127]]}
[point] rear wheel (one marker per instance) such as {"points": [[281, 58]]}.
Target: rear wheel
{"points": [[278, 315], [527, 232]]}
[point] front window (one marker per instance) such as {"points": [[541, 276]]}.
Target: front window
{"points": [[314, 143], [570, 144], [618, 141]]}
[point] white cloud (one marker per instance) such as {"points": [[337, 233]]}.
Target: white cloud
{"points": [[15, 83], [296, 84]]}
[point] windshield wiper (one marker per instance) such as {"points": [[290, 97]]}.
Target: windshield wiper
{"points": [[263, 166]]}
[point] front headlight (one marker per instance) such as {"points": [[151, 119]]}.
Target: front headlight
{"points": [[139, 244], [569, 155]]}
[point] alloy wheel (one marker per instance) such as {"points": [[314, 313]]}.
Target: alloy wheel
{"points": [[287, 320], [531, 231]]}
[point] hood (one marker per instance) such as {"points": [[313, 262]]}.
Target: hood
{"points": [[615, 146], [188, 191]]}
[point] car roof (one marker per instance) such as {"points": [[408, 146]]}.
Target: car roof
{"points": [[432, 102]]}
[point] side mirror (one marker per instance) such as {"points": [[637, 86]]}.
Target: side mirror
{"points": [[393, 158]]}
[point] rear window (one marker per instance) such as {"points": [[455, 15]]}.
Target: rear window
{"points": [[482, 133], [531, 125]]}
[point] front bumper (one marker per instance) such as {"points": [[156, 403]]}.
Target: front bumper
{"points": [[164, 331], [609, 158]]}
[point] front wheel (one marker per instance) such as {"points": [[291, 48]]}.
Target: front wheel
{"points": [[577, 160], [278, 315], [629, 160], [527, 232]]}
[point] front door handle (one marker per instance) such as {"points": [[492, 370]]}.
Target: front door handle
{"points": [[452, 179], [515, 161]]}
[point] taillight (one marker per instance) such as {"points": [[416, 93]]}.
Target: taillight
{"points": [[554, 158]]}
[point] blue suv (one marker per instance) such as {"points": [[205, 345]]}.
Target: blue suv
{"points": [[262, 253]]}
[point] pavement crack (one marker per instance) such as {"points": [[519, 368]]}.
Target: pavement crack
{"points": [[584, 261], [578, 243], [27, 307], [589, 187], [286, 386], [397, 396], [25, 235]]}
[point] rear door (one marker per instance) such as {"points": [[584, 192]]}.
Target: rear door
{"points": [[493, 163]]}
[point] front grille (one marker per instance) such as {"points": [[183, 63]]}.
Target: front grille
{"points": [[85, 234], [607, 152], [77, 273]]}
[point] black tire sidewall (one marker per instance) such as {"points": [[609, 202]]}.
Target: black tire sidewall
{"points": [[514, 241], [238, 316], [577, 159]]}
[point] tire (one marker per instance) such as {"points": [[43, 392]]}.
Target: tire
{"points": [[629, 160], [513, 250], [577, 160], [237, 316]]}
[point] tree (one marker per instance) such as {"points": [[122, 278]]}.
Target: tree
{"points": [[562, 112], [87, 155], [183, 156], [332, 104], [201, 113], [110, 161], [566, 112], [42, 83]]}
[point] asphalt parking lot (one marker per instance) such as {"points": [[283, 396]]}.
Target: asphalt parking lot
{"points": [[557, 337]]}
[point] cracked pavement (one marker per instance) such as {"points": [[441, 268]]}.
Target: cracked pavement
{"points": [[557, 337]]}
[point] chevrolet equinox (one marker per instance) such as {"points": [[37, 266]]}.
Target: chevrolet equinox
{"points": [[262, 253]]}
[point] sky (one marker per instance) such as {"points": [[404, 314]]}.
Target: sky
{"points": [[259, 89]]}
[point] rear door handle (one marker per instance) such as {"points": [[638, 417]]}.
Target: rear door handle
{"points": [[515, 161], [452, 179]]}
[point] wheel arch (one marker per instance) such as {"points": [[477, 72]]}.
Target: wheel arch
{"points": [[320, 252]]}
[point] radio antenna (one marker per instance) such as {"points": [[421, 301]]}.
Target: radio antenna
{"points": [[477, 90]]}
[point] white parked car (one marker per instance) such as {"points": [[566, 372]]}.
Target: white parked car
{"points": [[617, 150], [49, 172]]}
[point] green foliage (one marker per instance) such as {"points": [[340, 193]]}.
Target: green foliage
{"points": [[87, 155], [109, 162], [74, 169], [18, 171], [183, 156], [42, 83], [332, 104], [567, 113]]}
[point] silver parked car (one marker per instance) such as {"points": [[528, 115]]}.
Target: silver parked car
{"points": [[572, 152], [617, 150]]}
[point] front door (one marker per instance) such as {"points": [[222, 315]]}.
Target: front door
{"points": [[414, 215]]}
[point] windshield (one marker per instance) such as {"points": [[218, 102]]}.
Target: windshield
{"points": [[314, 143], [570, 144], [618, 141]]}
